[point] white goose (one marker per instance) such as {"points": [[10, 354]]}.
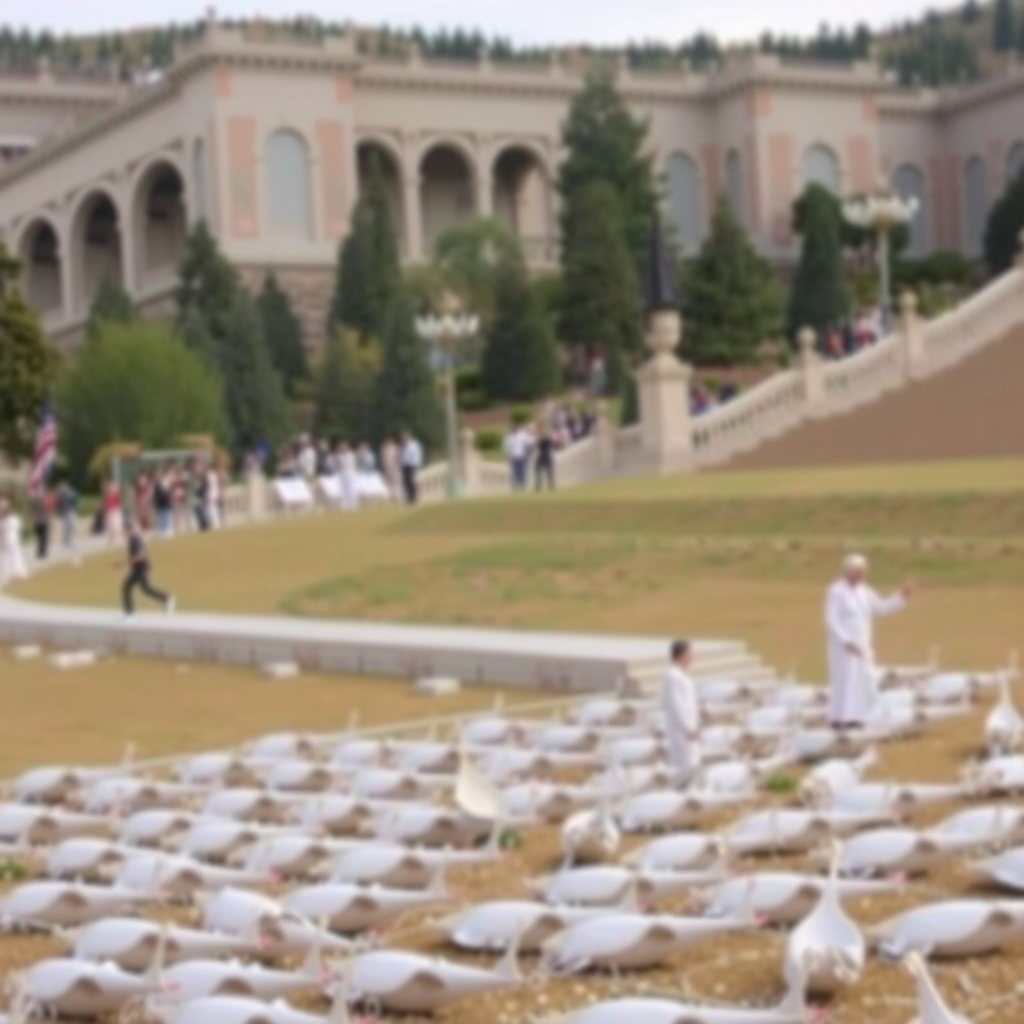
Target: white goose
{"points": [[331, 813], [155, 826], [826, 948], [348, 908], [950, 928], [121, 793], [997, 775], [671, 809], [790, 830], [244, 1010], [829, 777], [988, 825], [681, 851], [1005, 869], [81, 988], [218, 839], [247, 805], [282, 745], [38, 825], [402, 868], [931, 1007], [606, 711], [86, 858], [547, 802], [19, 1001], [407, 982], [429, 825], [221, 768], [131, 942], [1004, 726], [53, 784], [64, 904], [905, 850], [607, 885], [178, 878]]}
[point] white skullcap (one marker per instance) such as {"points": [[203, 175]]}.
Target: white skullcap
{"points": [[855, 563]]}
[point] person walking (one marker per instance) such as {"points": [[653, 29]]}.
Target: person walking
{"points": [[544, 460], [681, 709], [137, 577], [411, 458], [39, 512]]}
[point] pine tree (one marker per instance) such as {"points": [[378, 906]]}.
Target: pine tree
{"points": [[254, 397], [1004, 226], [600, 299], [207, 283], [732, 301], [28, 364], [110, 304], [406, 393], [605, 143], [1004, 30], [520, 360], [193, 331], [819, 297], [368, 272], [283, 332], [344, 387]]}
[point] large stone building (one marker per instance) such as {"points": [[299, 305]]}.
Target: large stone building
{"points": [[269, 139]]}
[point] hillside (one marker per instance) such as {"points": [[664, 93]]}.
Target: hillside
{"points": [[939, 48], [972, 410]]}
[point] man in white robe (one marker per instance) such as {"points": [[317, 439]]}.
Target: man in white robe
{"points": [[850, 608], [681, 709]]}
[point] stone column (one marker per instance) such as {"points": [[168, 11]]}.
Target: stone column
{"points": [[605, 436], [470, 460], [663, 386], [914, 356], [413, 217], [812, 372]]}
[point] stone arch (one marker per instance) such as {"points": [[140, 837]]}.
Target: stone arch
{"points": [[820, 166], [200, 182], [734, 187], [976, 203], [1015, 163], [909, 181], [446, 190], [96, 246], [380, 157], [521, 198], [685, 213], [160, 221], [39, 250], [288, 169]]}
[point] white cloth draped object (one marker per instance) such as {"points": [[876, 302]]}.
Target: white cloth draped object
{"points": [[681, 708], [850, 610]]}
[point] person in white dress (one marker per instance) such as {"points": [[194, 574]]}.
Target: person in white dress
{"points": [[851, 606], [681, 708], [348, 478], [12, 554], [213, 497]]}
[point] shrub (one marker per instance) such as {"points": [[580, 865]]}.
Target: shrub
{"points": [[488, 441], [521, 415]]}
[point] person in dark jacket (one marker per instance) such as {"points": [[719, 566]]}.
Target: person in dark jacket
{"points": [[137, 577]]}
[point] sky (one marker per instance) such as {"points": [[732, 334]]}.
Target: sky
{"points": [[524, 21]]}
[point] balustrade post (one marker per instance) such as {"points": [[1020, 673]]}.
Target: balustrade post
{"points": [[912, 336], [606, 439], [812, 372], [470, 459]]}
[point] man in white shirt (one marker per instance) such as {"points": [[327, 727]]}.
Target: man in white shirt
{"points": [[411, 459], [850, 608], [518, 445], [681, 708]]}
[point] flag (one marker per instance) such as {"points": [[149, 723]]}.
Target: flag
{"points": [[45, 453]]}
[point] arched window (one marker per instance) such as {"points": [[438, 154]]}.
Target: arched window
{"points": [[684, 206], [1015, 163], [734, 185], [200, 186], [289, 196], [821, 167], [976, 203], [909, 181]]}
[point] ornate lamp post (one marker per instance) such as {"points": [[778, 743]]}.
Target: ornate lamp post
{"points": [[879, 212], [446, 332]]}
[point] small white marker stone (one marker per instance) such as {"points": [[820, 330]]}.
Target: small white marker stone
{"points": [[281, 670], [26, 652], [437, 686]]}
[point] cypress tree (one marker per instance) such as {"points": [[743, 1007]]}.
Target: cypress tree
{"points": [[344, 387], [406, 394], [819, 297], [520, 360], [600, 300], [110, 304], [1003, 228], [283, 332], [732, 301], [207, 283]]}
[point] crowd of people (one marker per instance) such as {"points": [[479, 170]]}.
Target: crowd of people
{"points": [[527, 444], [866, 327]]}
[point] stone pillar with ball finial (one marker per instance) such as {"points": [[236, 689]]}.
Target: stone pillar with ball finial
{"points": [[663, 381]]}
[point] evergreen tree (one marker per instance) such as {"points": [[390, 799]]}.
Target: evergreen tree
{"points": [[369, 272], [28, 364], [732, 301], [1004, 226], [819, 297], [600, 300], [520, 361], [207, 283], [193, 331], [110, 304], [605, 143], [1004, 29], [254, 397], [283, 332], [405, 392], [344, 387]]}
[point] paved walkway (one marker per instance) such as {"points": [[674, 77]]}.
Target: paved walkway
{"points": [[556, 662]]}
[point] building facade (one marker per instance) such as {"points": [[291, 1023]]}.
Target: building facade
{"points": [[270, 140]]}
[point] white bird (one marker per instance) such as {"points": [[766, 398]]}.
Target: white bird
{"points": [[826, 948], [931, 1007], [64, 904], [590, 835], [1004, 727], [950, 928]]}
